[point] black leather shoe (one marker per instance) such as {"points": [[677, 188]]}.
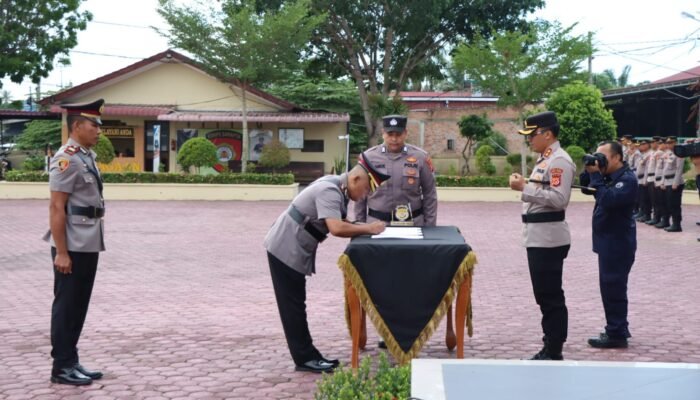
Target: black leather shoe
{"points": [[603, 341], [94, 375], [545, 355], [334, 362], [316, 366], [674, 228], [697, 223], [652, 221], [70, 376], [381, 344]]}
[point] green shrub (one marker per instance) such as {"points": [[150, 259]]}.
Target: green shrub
{"points": [[388, 382], [274, 155], [576, 153], [497, 141], [197, 152], [104, 150], [471, 181], [514, 159], [34, 163], [690, 185], [483, 160], [149, 177]]}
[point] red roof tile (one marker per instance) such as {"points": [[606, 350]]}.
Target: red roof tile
{"points": [[135, 110], [681, 76], [227, 116]]}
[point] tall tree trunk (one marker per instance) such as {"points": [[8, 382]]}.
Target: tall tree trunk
{"points": [[244, 145]]}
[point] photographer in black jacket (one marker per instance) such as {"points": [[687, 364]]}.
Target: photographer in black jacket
{"points": [[614, 236]]}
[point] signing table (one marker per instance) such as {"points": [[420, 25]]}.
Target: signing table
{"points": [[406, 286]]}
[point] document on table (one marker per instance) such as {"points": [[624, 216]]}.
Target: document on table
{"points": [[395, 232]]}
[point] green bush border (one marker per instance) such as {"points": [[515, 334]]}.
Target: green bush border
{"points": [[148, 177]]}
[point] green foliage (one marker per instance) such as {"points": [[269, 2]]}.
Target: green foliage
{"points": [[475, 128], [339, 165], [34, 163], [483, 160], [321, 93], [149, 177], [514, 159], [583, 118], [34, 33], [104, 150], [388, 382], [38, 133], [522, 67], [380, 106], [690, 184], [497, 141], [197, 152], [607, 79], [576, 153], [274, 155], [471, 181]]}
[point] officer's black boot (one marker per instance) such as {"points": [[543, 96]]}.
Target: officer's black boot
{"points": [[550, 351], [675, 227], [663, 223], [653, 221]]}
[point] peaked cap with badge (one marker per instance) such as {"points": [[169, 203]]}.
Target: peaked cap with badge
{"points": [[90, 111], [376, 178], [394, 123], [545, 119]]}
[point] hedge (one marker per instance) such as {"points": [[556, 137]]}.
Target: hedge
{"points": [[471, 181], [148, 177]]}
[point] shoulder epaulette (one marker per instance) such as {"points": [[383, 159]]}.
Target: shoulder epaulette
{"points": [[70, 150]]}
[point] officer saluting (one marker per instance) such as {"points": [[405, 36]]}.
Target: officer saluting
{"points": [[410, 196], [76, 236], [291, 246], [546, 233]]}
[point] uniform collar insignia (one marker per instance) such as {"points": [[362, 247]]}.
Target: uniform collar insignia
{"points": [[383, 149], [405, 149], [547, 153]]}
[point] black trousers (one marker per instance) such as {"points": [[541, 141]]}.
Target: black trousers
{"points": [[673, 202], [290, 293], [546, 268], [644, 201], [70, 305], [660, 197], [651, 193], [613, 271]]}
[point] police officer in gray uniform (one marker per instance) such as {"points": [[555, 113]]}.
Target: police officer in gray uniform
{"points": [[291, 246], [77, 237], [546, 233], [674, 183], [412, 189]]}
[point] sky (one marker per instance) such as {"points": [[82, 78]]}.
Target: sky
{"points": [[650, 36]]}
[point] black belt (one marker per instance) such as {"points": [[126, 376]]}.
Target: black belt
{"points": [[386, 216], [554, 216], [90, 212], [669, 176], [299, 218], [658, 178], [640, 176], [652, 174]]}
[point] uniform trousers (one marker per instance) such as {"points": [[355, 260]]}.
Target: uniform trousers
{"points": [[660, 197], [644, 201], [70, 305], [613, 271], [651, 193], [290, 292], [546, 268], [673, 202]]}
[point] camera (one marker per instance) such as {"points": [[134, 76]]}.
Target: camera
{"points": [[687, 150], [590, 160]]}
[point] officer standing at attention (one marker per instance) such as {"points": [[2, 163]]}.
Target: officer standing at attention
{"points": [[643, 194], [614, 238], [674, 183], [77, 237], [413, 183], [291, 250], [546, 233], [660, 183], [650, 175]]}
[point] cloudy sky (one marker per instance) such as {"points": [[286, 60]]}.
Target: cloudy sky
{"points": [[651, 36]]}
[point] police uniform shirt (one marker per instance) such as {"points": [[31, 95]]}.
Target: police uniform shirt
{"points": [[660, 157], [650, 170], [412, 182], [73, 170], [289, 241], [673, 170], [642, 167], [556, 167]]}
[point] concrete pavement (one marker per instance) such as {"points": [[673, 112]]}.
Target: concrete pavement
{"points": [[183, 304]]}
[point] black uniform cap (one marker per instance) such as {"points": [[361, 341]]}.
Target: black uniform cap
{"points": [[90, 111], [394, 123], [376, 178], [545, 119]]}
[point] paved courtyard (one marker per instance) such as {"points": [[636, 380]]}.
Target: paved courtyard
{"points": [[183, 304]]}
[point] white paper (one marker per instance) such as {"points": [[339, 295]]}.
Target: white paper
{"points": [[394, 232]]}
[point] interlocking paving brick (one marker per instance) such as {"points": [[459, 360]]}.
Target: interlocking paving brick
{"points": [[183, 304]]}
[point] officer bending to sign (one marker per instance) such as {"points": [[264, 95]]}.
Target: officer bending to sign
{"points": [[546, 233], [291, 250], [77, 236], [614, 237]]}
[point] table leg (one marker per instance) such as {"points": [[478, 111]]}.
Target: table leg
{"points": [[463, 299], [450, 338], [363, 330], [355, 322]]}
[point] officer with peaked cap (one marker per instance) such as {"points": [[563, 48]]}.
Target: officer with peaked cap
{"points": [[649, 178], [411, 192], [643, 194], [674, 184], [77, 237], [546, 233], [291, 246], [660, 209]]}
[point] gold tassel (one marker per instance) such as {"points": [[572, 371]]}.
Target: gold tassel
{"points": [[465, 270]]}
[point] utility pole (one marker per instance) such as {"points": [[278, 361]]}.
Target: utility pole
{"points": [[590, 58]]}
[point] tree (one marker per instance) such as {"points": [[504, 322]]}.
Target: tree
{"points": [[483, 160], [606, 80], [582, 116], [197, 152], [242, 46], [39, 133], [274, 155], [524, 67], [379, 44], [34, 33], [104, 150], [474, 128]]}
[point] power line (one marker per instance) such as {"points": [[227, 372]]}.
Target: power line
{"points": [[123, 25], [106, 55]]}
